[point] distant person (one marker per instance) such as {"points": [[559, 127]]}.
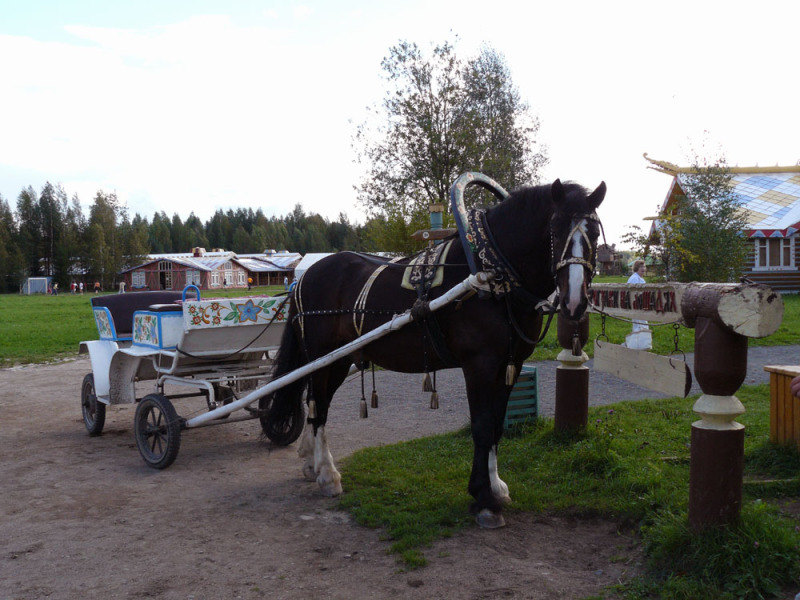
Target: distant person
{"points": [[639, 271], [96, 287], [122, 287], [80, 286], [72, 287], [285, 282], [249, 283], [225, 282], [55, 289]]}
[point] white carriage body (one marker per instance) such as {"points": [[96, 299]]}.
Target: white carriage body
{"points": [[196, 343]]}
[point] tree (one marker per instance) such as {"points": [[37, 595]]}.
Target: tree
{"points": [[709, 225], [699, 236], [439, 118], [504, 132]]}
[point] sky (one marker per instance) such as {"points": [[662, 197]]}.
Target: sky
{"points": [[195, 105]]}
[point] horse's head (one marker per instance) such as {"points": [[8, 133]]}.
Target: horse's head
{"points": [[574, 229]]}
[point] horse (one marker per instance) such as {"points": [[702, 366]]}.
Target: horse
{"points": [[547, 235]]}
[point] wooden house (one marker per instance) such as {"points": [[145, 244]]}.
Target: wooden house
{"points": [[770, 197], [208, 270]]}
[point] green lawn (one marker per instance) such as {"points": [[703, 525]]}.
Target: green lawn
{"points": [[42, 328], [631, 465]]}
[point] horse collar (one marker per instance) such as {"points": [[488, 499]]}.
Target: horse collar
{"points": [[506, 280]]}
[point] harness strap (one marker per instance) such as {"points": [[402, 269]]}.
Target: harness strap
{"points": [[361, 300]]}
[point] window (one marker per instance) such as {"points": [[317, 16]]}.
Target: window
{"points": [[192, 277], [774, 254], [215, 279], [241, 277], [137, 279]]}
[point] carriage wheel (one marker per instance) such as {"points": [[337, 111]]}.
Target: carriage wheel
{"points": [[157, 428], [94, 411], [282, 434]]}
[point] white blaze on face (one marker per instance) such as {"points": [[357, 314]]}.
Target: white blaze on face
{"points": [[576, 271]]}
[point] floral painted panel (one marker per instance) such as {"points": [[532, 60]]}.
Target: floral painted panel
{"points": [[235, 311], [145, 329], [103, 324]]}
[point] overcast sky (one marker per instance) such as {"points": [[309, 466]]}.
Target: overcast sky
{"points": [[194, 105]]}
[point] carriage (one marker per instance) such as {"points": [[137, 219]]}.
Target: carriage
{"points": [[216, 349]]}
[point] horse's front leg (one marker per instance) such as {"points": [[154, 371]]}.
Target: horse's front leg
{"points": [[499, 487], [488, 395]]}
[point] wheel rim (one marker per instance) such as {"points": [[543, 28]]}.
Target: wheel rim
{"points": [[154, 433], [89, 404]]}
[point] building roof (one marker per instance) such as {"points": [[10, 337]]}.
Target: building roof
{"points": [[308, 260], [769, 195], [260, 266], [201, 263]]}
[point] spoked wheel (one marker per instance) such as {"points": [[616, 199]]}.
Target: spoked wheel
{"points": [[94, 411], [285, 432], [157, 428]]}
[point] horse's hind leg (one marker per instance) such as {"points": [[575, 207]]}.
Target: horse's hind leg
{"points": [[314, 448]]}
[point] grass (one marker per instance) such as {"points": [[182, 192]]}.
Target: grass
{"points": [[631, 465], [35, 329]]}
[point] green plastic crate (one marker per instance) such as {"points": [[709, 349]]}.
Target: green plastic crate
{"points": [[523, 404]]}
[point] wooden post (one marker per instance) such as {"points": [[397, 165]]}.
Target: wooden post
{"points": [[717, 450], [572, 376]]}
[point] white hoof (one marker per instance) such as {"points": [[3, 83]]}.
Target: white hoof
{"points": [[490, 520], [330, 482]]}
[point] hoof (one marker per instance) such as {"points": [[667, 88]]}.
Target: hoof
{"points": [[308, 471], [330, 482], [490, 520], [330, 488]]}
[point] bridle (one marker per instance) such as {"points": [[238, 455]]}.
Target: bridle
{"points": [[579, 227]]}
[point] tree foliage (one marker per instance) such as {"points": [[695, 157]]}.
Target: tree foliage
{"points": [[700, 237], [442, 116]]}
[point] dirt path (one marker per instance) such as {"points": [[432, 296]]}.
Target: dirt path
{"points": [[84, 517]]}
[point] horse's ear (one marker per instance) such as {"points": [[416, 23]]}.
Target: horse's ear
{"points": [[596, 197], [557, 191]]}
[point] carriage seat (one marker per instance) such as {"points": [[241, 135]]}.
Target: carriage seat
{"points": [[114, 313]]}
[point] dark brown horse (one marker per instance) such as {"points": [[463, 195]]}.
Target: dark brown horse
{"points": [[547, 234]]}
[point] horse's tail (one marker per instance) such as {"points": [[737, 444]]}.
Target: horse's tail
{"points": [[291, 356]]}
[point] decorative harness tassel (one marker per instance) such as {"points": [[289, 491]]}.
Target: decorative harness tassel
{"points": [[363, 404], [511, 374], [374, 400], [434, 394], [427, 386]]}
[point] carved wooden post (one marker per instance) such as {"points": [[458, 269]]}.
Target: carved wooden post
{"points": [[572, 376], [723, 318]]}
